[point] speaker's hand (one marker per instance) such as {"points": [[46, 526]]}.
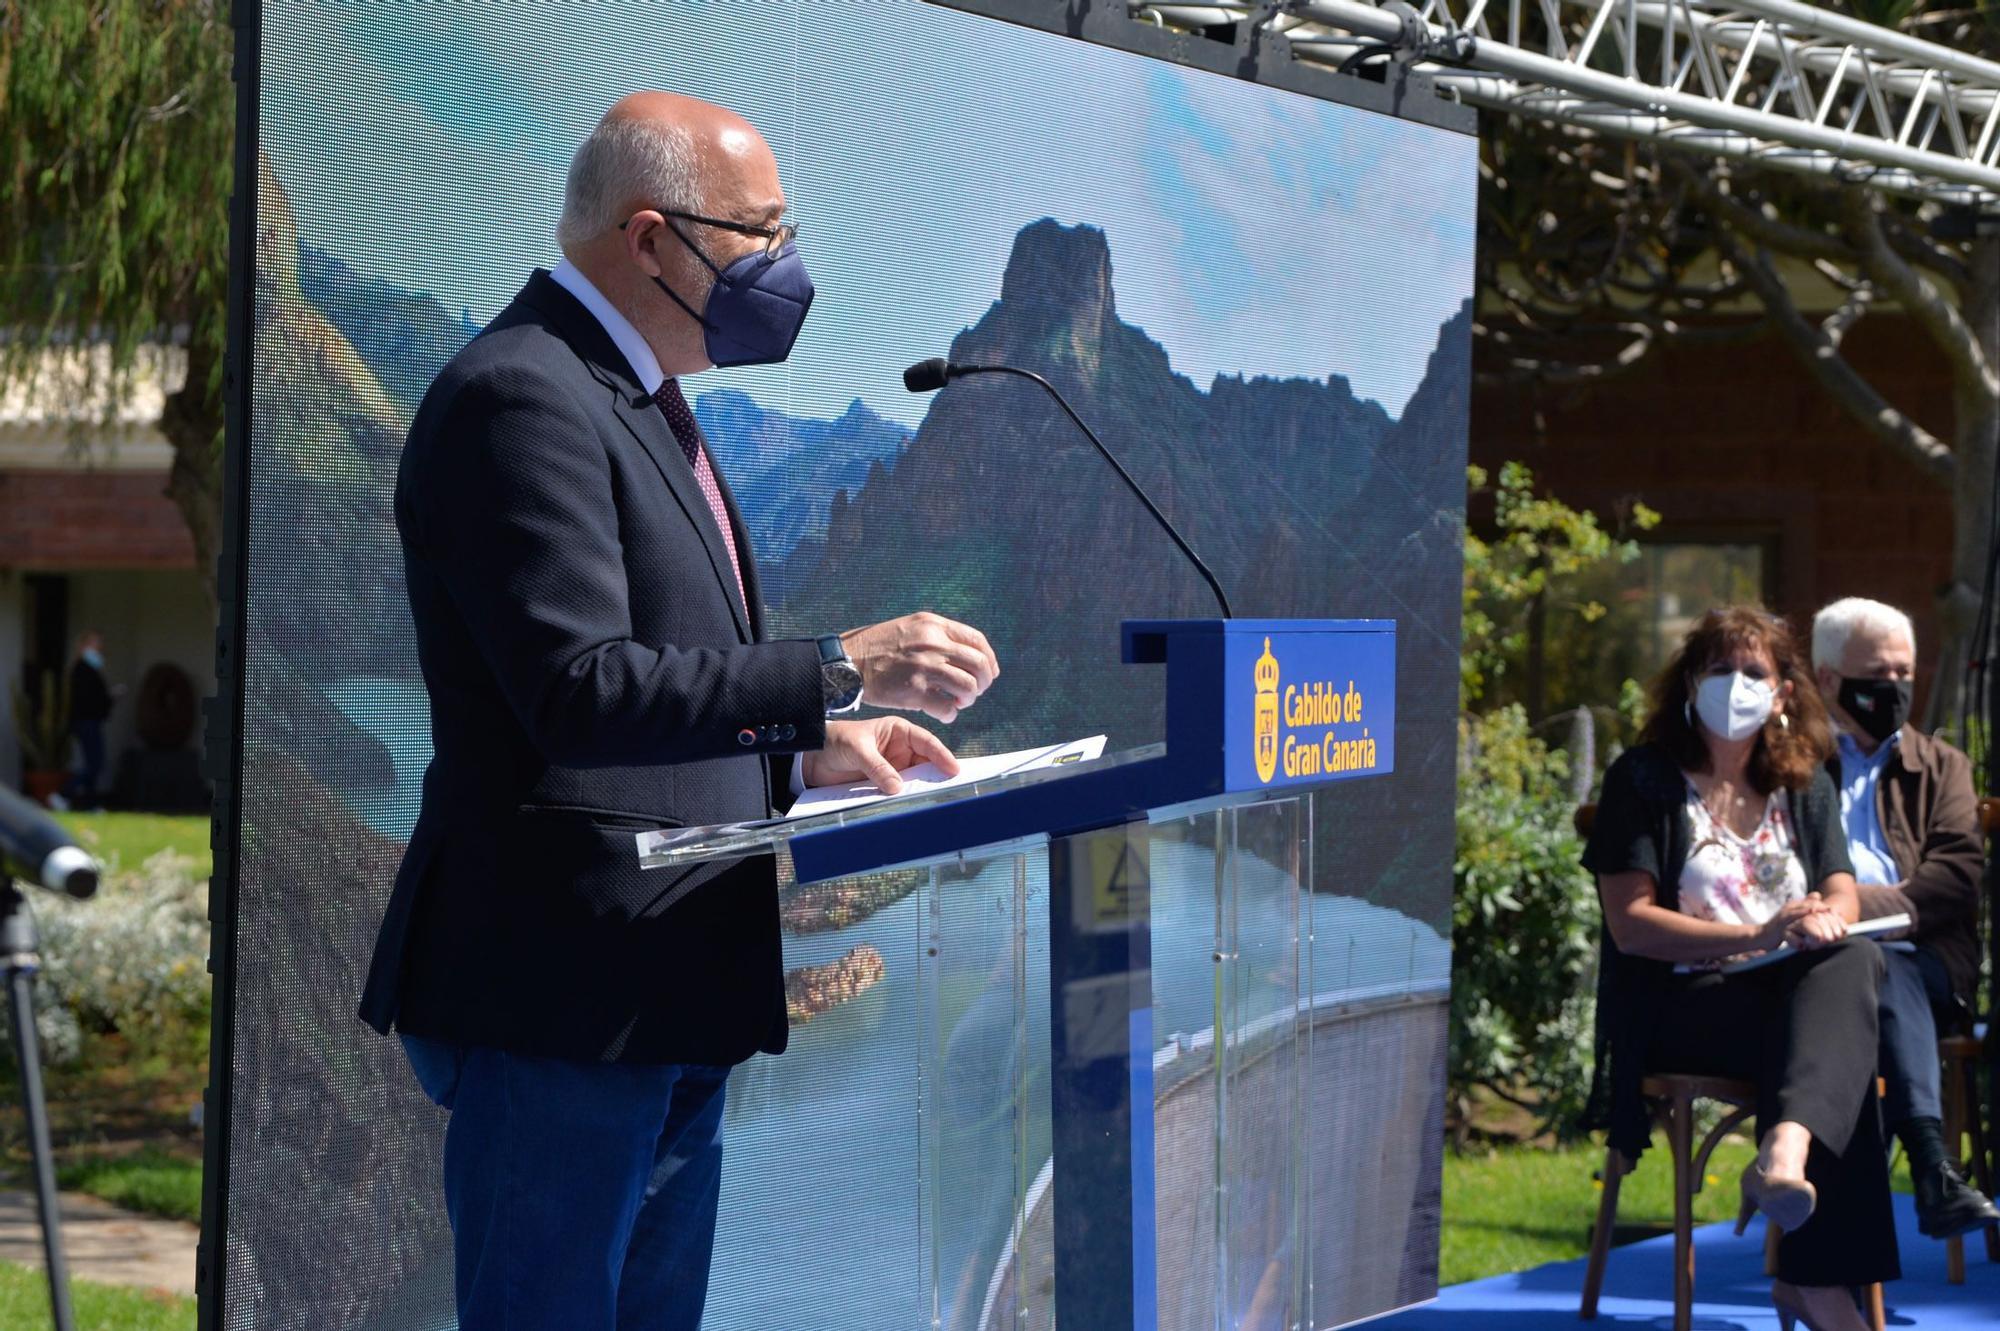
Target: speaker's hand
{"points": [[875, 750], [922, 663]]}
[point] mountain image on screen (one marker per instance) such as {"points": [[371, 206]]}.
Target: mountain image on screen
{"points": [[994, 511], [1024, 530], [785, 470]]}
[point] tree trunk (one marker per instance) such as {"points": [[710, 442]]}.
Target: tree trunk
{"points": [[192, 421], [1975, 429]]}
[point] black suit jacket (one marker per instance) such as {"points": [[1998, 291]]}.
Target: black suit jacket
{"points": [[592, 672]]}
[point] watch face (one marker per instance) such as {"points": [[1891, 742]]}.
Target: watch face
{"points": [[840, 683]]}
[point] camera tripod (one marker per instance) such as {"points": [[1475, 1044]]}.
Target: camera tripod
{"points": [[20, 958]]}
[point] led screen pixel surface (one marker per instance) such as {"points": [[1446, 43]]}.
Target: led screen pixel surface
{"points": [[1259, 298]]}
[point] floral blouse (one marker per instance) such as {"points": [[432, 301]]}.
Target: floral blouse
{"points": [[1732, 879]]}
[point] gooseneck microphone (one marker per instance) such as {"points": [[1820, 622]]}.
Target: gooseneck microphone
{"points": [[928, 376], [37, 845]]}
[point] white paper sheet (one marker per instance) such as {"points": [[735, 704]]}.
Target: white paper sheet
{"points": [[926, 777]]}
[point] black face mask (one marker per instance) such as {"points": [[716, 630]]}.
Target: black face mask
{"points": [[1878, 706]]}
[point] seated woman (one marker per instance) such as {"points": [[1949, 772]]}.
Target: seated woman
{"points": [[1720, 835]]}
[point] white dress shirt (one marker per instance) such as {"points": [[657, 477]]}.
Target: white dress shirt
{"points": [[638, 354]]}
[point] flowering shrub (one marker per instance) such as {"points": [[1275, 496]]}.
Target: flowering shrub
{"points": [[1524, 925], [132, 959]]}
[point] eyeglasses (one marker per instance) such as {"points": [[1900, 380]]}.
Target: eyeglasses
{"points": [[775, 237]]}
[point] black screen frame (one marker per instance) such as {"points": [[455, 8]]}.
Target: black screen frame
{"points": [[1254, 56]]}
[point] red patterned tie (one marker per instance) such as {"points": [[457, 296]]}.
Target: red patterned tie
{"points": [[680, 419]]}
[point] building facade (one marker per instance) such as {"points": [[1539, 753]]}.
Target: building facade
{"points": [[1765, 486], [89, 540]]}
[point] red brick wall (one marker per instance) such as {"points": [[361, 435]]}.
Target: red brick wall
{"points": [[1738, 442], [90, 519]]}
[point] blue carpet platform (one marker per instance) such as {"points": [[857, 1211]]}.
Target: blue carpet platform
{"points": [[1730, 1289]]}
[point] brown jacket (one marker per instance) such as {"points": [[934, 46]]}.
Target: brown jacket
{"points": [[1930, 817]]}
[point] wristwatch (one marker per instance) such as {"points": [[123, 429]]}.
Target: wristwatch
{"points": [[839, 679]]}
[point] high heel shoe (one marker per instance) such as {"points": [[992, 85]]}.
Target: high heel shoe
{"points": [[1787, 1204]]}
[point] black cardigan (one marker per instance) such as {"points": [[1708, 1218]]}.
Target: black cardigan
{"points": [[1642, 825]]}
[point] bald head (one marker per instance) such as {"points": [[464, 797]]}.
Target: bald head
{"points": [[655, 162], [668, 153]]}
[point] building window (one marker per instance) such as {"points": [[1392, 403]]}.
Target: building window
{"points": [[1673, 585], [1650, 604]]}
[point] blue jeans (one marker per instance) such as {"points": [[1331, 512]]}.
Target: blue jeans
{"points": [[1912, 983], [581, 1195]]}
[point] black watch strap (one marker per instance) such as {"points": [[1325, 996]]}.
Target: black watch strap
{"points": [[840, 678]]}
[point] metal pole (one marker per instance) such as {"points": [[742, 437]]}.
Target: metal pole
{"points": [[20, 955]]}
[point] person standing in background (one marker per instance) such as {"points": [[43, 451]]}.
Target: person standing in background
{"points": [[90, 700]]}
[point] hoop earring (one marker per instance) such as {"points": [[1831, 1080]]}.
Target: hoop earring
{"points": [[1784, 722], [1687, 713]]}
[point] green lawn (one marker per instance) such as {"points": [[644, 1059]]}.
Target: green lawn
{"points": [[24, 1303], [130, 837], [150, 1180], [1522, 1206]]}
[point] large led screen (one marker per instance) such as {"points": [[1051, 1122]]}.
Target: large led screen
{"points": [[1259, 297]]}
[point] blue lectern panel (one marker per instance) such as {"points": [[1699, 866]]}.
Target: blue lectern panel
{"points": [[1304, 708]]}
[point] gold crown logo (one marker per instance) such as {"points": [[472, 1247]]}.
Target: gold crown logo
{"points": [[1265, 718], [1267, 670]]}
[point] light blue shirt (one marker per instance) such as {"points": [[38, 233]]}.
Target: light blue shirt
{"points": [[1860, 816]]}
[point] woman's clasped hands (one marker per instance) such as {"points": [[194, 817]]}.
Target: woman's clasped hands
{"points": [[1807, 923]]}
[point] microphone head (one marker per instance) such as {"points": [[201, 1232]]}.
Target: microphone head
{"points": [[927, 376]]}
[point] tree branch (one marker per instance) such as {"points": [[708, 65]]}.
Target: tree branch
{"points": [[1841, 380], [1860, 295], [1915, 293], [1768, 232], [1918, 248]]}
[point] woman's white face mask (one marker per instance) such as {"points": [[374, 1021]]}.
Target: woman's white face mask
{"points": [[1734, 706]]}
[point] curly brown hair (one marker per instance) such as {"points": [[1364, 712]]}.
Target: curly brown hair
{"points": [[1786, 754]]}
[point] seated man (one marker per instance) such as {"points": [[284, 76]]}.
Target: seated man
{"points": [[1911, 818]]}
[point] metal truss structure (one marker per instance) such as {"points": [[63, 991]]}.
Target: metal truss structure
{"points": [[1776, 82]]}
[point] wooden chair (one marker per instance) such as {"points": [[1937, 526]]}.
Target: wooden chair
{"points": [[1962, 1120], [1964, 1115], [1672, 1098]]}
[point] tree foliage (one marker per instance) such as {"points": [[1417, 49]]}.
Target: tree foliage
{"points": [[1594, 251], [115, 155], [1539, 552], [1524, 925], [1524, 910]]}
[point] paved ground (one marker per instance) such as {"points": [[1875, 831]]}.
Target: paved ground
{"points": [[103, 1243]]}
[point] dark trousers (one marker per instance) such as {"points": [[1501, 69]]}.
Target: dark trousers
{"points": [[582, 1196], [82, 787], [1805, 1032], [1914, 984]]}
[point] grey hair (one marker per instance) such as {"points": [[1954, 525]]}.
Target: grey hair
{"points": [[1834, 625], [622, 161]]}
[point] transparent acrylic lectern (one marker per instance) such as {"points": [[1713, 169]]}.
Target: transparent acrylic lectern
{"points": [[1117, 1004]]}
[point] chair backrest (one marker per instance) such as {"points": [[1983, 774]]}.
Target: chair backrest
{"points": [[1585, 817], [1989, 816]]}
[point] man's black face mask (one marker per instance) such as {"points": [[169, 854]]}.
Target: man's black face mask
{"points": [[1878, 706]]}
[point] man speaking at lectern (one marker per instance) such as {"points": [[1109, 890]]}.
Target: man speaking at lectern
{"points": [[588, 624]]}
